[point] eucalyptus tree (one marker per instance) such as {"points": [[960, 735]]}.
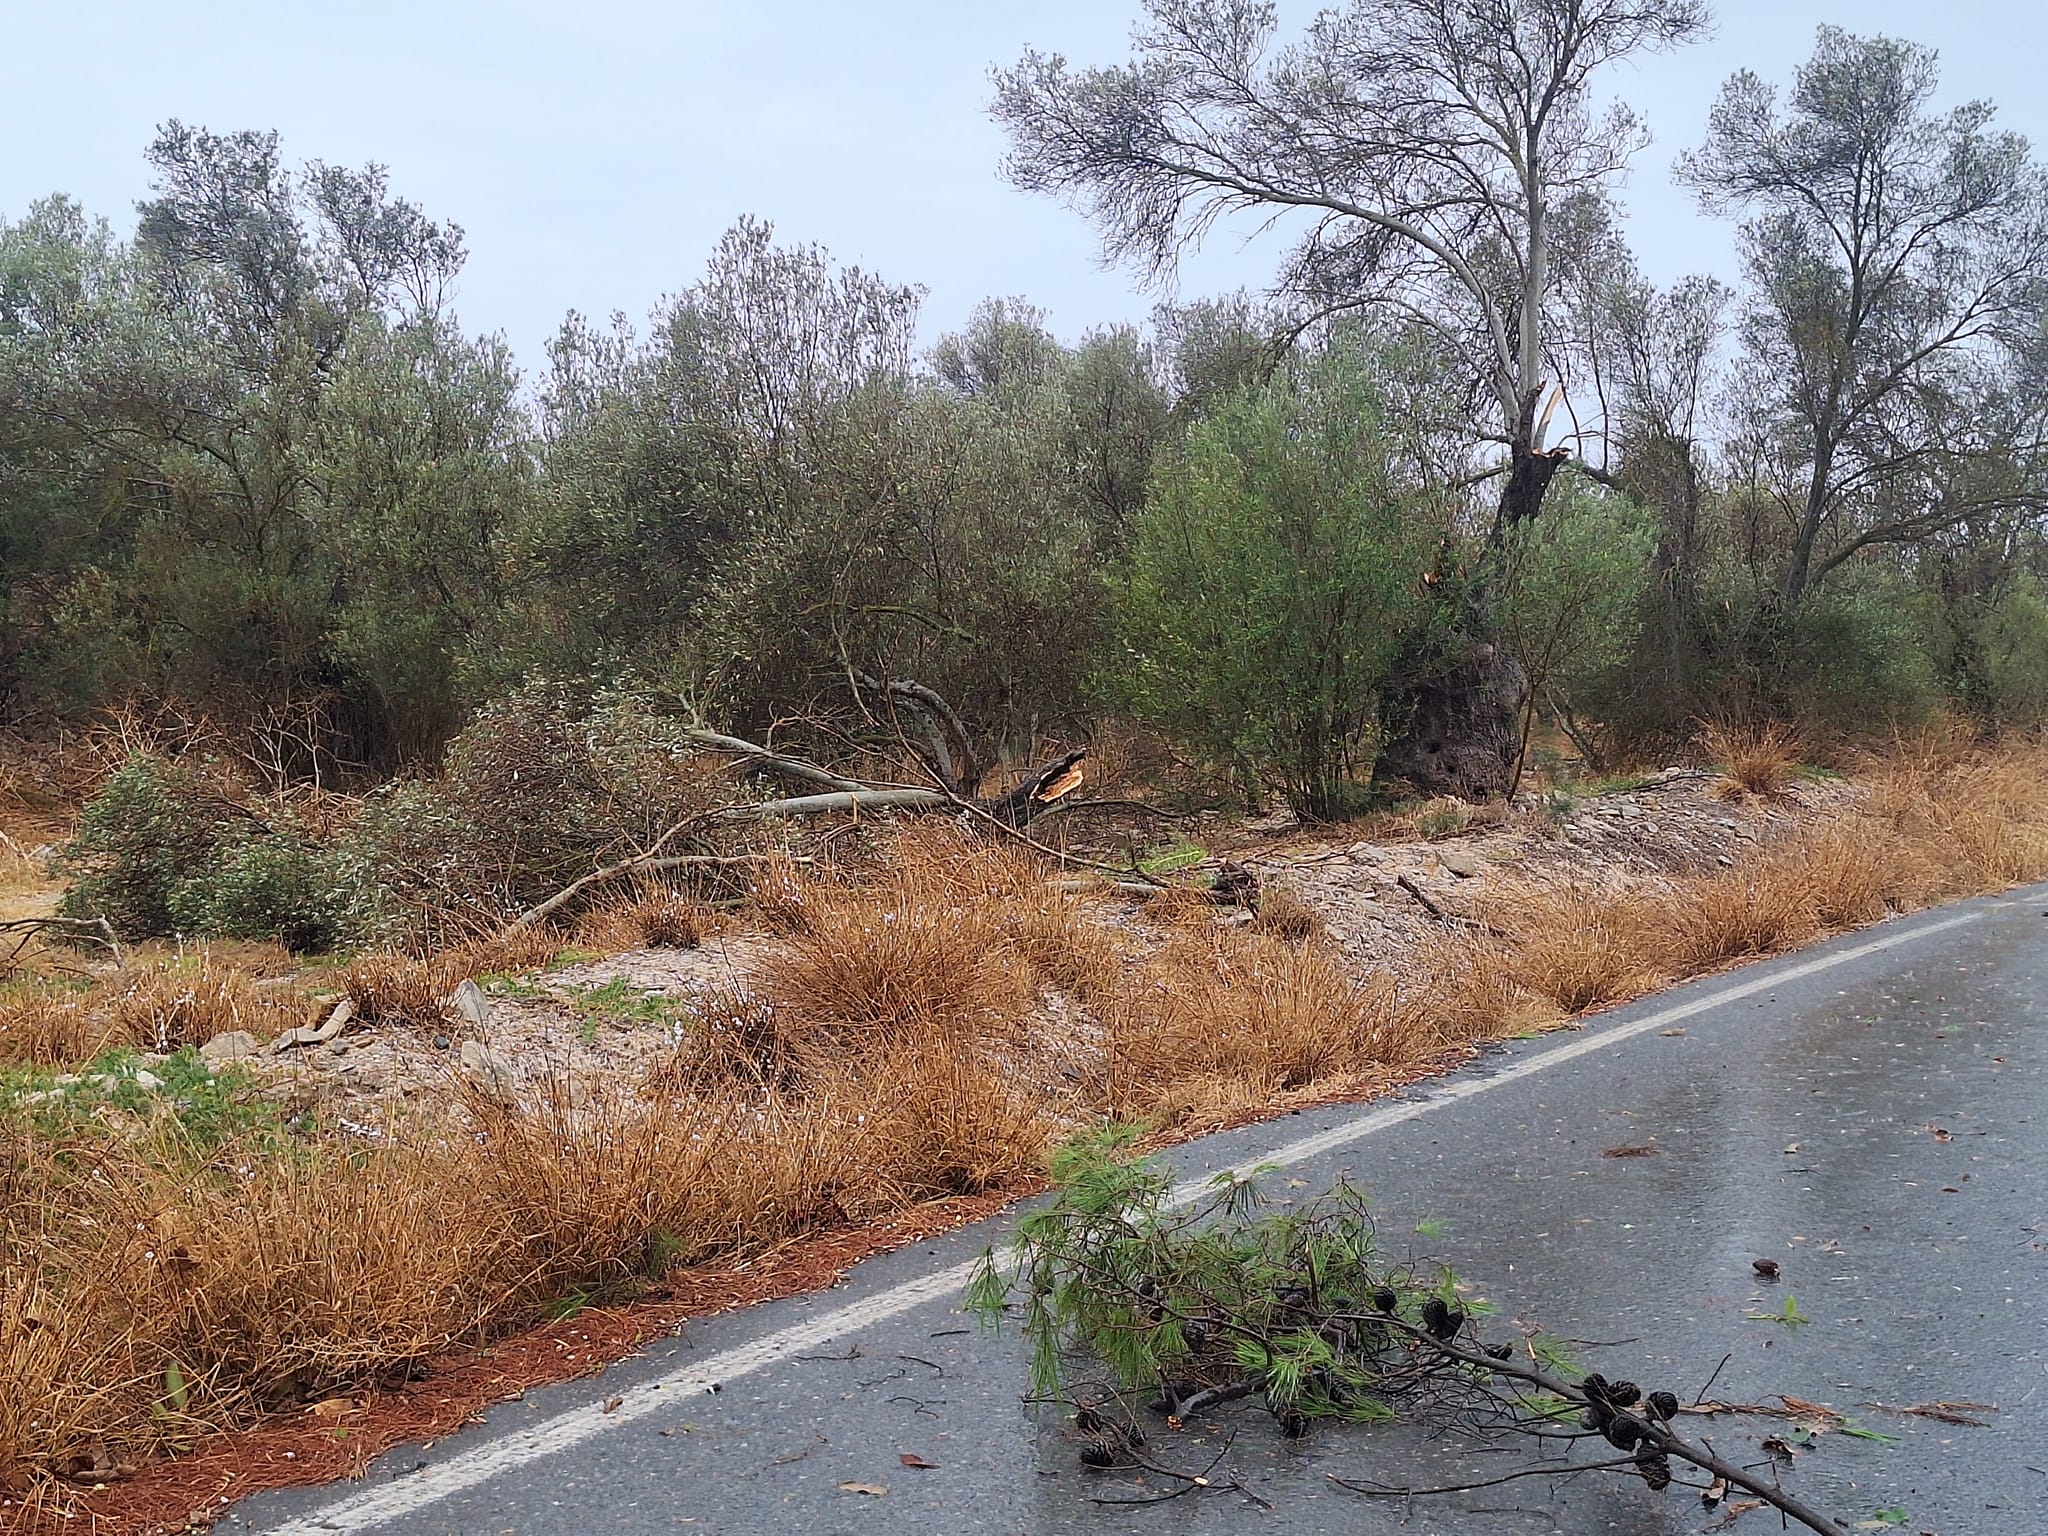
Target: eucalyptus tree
{"points": [[1444, 165], [1445, 158], [1897, 260]]}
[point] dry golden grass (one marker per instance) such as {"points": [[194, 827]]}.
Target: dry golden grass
{"points": [[1581, 949], [895, 1050], [652, 916], [1264, 1015], [154, 1004], [411, 992], [1284, 915], [43, 1024], [1758, 760]]}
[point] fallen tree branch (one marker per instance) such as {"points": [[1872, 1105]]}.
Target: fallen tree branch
{"points": [[570, 891], [953, 757], [97, 929], [777, 763], [860, 798]]}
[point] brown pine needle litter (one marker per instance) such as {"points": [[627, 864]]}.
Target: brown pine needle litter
{"points": [[189, 1314]]}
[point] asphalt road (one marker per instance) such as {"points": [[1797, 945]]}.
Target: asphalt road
{"points": [[1795, 1107]]}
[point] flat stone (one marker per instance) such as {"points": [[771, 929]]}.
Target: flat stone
{"points": [[1462, 864], [148, 1081], [232, 1046], [470, 1004], [488, 1067]]}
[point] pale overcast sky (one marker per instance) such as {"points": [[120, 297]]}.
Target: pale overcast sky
{"points": [[595, 151]]}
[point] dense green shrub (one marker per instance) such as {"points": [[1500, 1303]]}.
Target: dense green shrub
{"points": [[1573, 591], [1856, 657], [273, 883], [1275, 579], [167, 848], [153, 824]]}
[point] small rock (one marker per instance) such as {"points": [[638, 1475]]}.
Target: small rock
{"points": [[232, 1046], [486, 1065], [337, 1047], [470, 1004], [148, 1081], [1722, 858], [1461, 864], [440, 1042]]}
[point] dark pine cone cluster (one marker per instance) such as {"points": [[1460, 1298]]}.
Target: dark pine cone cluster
{"points": [[1607, 1411], [1106, 1442], [1441, 1322]]}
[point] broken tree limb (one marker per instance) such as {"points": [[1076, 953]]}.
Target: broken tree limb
{"points": [[639, 864], [778, 763], [860, 798], [309, 1034], [97, 929], [950, 747], [1052, 782]]}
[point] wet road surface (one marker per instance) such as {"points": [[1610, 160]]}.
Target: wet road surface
{"points": [[1869, 1114]]}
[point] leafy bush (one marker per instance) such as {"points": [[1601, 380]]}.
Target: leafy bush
{"points": [[1574, 588], [152, 826], [1856, 657], [270, 884], [2013, 642], [538, 789], [1274, 582], [167, 848]]}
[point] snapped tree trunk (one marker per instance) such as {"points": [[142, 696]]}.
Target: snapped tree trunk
{"points": [[1457, 729]]}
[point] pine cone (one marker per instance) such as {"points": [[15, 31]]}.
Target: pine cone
{"points": [[1441, 1321], [1102, 1451], [1624, 1394], [1385, 1299], [1663, 1405], [1655, 1468]]}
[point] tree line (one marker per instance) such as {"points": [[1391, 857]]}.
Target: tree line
{"points": [[1463, 472]]}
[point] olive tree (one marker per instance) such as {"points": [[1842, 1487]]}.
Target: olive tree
{"points": [[1898, 268], [1444, 164]]}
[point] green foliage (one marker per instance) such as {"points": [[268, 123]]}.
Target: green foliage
{"points": [[1574, 587], [1855, 655], [179, 1100], [1788, 1316], [1114, 1273], [1274, 582], [621, 1002], [2005, 642], [272, 883], [152, 826], [168, 848]]}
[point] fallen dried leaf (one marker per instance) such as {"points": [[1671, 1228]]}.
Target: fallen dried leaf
{"points": [[611, 1404], [1714, 1492], [1800, 1405], [1939, 1134], [917, 1461], [332, 1407], [872, 1490], [1768, 1268], [1645, 1150]]}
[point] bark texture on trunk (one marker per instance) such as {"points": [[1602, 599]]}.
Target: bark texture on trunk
{"points": [[1463, 734]]}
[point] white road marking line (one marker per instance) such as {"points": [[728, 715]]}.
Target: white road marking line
{"points": [[405, 1494]]}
